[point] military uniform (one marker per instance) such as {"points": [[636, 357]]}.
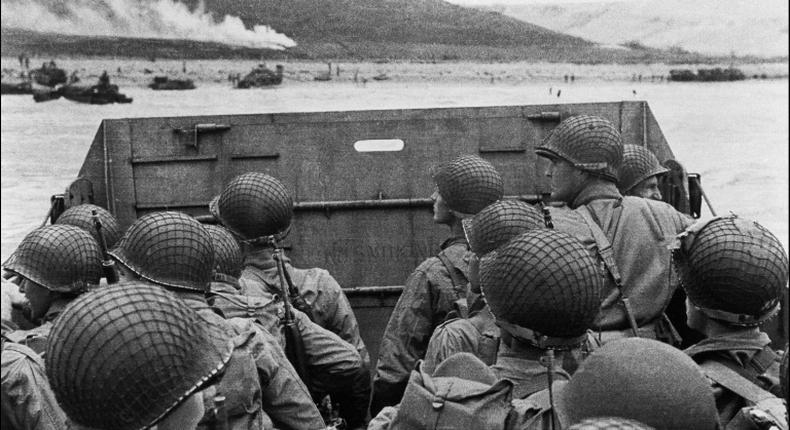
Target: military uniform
{"points": [[629, 223], [326, 301], [750, 355], [27, 400], [427, 298]]}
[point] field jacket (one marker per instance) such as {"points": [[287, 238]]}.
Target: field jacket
{"points": [[641, 232], [428, 296], [747, 352], [477, 335]]}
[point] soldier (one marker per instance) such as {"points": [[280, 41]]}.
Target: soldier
{"points": [[735, 274], [256, 207], [639, 173], [321, 346], [173, 251], [258, 210], [134, 356], [478, 334], [544, 290], [638, 379], [82, 216], [464, 186], [55, 264], [631, 234], [27, 401]]}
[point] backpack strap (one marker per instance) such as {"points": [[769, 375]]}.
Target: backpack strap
{"points": [[607, 255], [459, 287], [733, 381]]}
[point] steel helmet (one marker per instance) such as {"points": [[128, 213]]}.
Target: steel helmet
{"points": [[544, 281], [468, 183], [589, 143], [124, 356], [609, 423], [82, 217], [61, 258], [640, 379], [639, 163], [499, 222], [170, 249], [227, 252], [254, 205], [733, 270]]}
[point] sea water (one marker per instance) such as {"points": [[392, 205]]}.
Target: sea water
{"points": [[735, 134]]}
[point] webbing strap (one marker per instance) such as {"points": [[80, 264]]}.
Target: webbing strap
{"points": [[733, 381], [607, 255], [459, 283]]}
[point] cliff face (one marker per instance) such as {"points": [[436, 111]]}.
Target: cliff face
{"points": [[713, 27]]}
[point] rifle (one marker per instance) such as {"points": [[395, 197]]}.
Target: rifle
{"points": [[546, 213], [294, 344], [107, 264]]}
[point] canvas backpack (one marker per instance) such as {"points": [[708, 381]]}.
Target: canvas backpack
{"points": [[461, 394]]}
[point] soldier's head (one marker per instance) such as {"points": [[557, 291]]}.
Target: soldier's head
{"points": [[132, 356], [643, 380], [464, 186], [580, 148], [254, 206], [227, 252], [494, 226], [170, 249], [734, 272], [543, 288], [55, 261], [639, 173], [82, 216]]}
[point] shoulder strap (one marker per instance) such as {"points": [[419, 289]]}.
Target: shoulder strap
{"points": [[607, 255], [604, 246], [733, 381], [459, 287], [455, 278]]}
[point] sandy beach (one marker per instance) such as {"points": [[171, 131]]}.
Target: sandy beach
{"points": [[140, 72]]}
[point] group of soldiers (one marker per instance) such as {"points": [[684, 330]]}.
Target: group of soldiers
{"points": [[530, 317]]}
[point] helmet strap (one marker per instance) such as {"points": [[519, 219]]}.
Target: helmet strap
{"points": [[743, 320], [538, 340]]}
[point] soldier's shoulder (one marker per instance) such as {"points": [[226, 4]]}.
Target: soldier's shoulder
{"points": [[430, 264]]}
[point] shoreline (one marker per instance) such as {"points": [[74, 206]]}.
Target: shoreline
{"points": [[139, 72]]}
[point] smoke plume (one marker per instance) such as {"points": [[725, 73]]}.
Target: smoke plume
{"points": [[161, 19]]}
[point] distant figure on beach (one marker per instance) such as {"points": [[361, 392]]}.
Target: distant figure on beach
{"points": [[550, 90], [558, 93], [573, 78], [640, 78], [184, 66], [634, 91], [104, 80], [566, 78]]}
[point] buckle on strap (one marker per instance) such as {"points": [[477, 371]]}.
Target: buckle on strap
{"points": [[739, 319]]}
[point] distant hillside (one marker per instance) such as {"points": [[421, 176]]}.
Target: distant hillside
{"points": [[417, 30], [712, 27]]}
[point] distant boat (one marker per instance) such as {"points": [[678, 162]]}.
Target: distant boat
{"points": [[323, 76], [165, 83], [381, 77], [89, 94], [49, 75], [23, 87]]}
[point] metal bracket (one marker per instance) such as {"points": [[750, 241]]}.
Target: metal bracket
{"points": [[201, 128]]}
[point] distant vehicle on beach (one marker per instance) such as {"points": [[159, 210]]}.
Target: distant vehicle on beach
{"points": [[262, 76], [22, 87], [49, 75], [165, 83]]}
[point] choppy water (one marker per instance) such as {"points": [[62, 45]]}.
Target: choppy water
{"points": [[734, 134]]}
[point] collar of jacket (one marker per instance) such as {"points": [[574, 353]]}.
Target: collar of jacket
{"points": [[261, 258], [741, 340], [455, 240], [596, 189]]}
